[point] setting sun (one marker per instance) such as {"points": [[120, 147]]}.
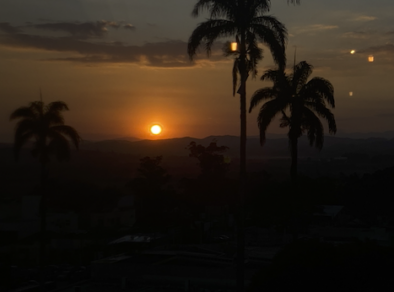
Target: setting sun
{"points": [[155, 129]]}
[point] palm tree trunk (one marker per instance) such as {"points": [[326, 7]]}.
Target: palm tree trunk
{"points": [[43, 211], [294, 159], [293, 174], [242, 171]]}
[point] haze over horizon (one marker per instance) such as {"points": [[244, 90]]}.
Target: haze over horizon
{"points": [[122, 66]]}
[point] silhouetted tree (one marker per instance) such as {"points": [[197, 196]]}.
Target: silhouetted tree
{"points": [[298, 101], [213, 164], [152, 173], [247, 22], [149, 188], [44, 125]]}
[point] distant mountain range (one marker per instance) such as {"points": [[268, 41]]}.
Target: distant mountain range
{"points": [[355, 135], [273, 148], [386, 135], [276, 146]]}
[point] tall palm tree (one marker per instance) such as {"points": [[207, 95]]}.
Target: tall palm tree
{"points": [[300, 102], [247, 22], [44, 125]]}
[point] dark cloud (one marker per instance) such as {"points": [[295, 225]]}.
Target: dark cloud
{"points": [[167, 53], [163, 54], [129, 26], [387, 48], [85, 29], [7, 28], [356, 34]]}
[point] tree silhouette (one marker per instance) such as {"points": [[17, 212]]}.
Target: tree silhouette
{"points": [[44, 125], [152, 174], [152, 198], [247, 22], [302, 100], [212, 163]]}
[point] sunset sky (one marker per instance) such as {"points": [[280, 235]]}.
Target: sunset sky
{"points": [[121, 65]]}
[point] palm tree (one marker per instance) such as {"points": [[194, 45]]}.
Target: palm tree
{"points": [[300, 103], [246, 20], [44, 124]]}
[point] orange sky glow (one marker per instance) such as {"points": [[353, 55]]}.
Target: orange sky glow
{"points": [[132, 70]]}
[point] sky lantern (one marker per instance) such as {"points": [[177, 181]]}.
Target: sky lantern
{"points": [[370, 58], [351, 93], [352, 52], [234, 46]]}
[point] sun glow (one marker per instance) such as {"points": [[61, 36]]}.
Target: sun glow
{"points": [[155, 129]]}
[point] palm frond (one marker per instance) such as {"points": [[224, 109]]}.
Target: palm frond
{"points": [[208, 32], [301, 73], [325, 113], [272, 75], [323, 88], [25, 126], [59, 146], [56, 106], [314, 127], [67, 131], [267, 112], [272, 40], [23, 112], [284, 121], [254, 54], [53, 118], [260, 95], [217, 8], [37, 107], [273, 24], [259, 6], [223, 8]]}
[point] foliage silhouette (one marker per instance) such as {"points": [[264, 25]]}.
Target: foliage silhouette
{"points": [[293, 94], [152, 174], [44, 124], [213, 164], [318, 266], [152, 196], [247, 22]]}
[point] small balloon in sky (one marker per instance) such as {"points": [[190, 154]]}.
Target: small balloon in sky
{"points": [[351, 93], [370, 58], [352, 52]]}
